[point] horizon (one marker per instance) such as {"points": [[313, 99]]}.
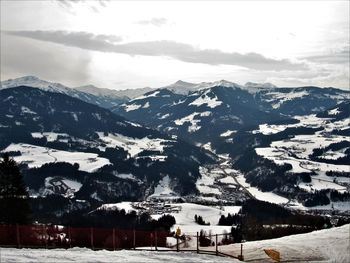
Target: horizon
{"points": [[112, 45], [170, 84]]}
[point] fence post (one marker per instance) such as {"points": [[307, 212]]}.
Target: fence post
{"points": [[241, 257], [197, 243], [134, 241], [92, 237], [216, 244], [69, 238], [113, 238], [116, 239], [44, 236], [177, 243], [156, 240], [18, 237]]}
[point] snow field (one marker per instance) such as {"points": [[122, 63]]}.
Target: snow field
{"points": [[162, 190], [36, 156], [206, 182], [194, 122], [205, 99], [134, 146], [263, 196], [50, 136], [329, 245]]}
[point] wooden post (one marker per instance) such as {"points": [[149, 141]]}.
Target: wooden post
{"points": [[92, 237], [18, 237], [156, 240], [134, 241], [241, 257], [113, 238], [216, 244], [69, 237], [197, 243], [177, 243]]}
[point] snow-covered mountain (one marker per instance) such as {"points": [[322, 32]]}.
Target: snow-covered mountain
{"points": [[247, 125], [100, 92], [254, 124], [208, 112], [214, 108], [74, 148], [101, 97], [126, 94], [181, 87]]}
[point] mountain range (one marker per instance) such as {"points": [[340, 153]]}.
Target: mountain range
{"points": [[101, 145]]}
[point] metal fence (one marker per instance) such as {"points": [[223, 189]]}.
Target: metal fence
{"points": [[213, 244], [55, 236]]}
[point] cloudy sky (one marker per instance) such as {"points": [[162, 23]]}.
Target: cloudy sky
{"points": [[133, 44]]}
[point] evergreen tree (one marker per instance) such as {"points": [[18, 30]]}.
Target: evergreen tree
{"points": [[14, 204]]}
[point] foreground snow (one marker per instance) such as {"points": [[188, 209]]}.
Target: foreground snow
{"points": [[87, 255], [329, 245]]}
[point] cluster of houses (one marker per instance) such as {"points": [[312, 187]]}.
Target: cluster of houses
{"points": [[157, 207]]}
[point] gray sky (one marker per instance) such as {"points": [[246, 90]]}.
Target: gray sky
{"points": [[132, 44]]}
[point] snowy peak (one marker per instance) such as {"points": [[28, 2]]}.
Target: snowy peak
{"points": [[181, 87], [220, 83], [181, 83], [225, 83], [91, 94], [34, 82], [91, 89], [266, 85]]}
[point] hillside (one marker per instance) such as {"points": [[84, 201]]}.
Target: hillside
{"points": [[67, 146]]}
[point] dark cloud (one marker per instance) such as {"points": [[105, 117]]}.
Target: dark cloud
{"points": [[176, 50], [26, 57], [339, 57], [156, 21]]}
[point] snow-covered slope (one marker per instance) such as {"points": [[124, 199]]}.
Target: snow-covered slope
{"points": [[329, 245], [27, 255]]}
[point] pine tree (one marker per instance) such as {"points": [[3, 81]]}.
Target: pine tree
{"points": [[14, 204]]}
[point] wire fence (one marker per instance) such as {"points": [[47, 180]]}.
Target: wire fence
{"points": [[56, 236]]}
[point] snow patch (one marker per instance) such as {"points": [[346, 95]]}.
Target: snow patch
{"points": [[37, 156]]}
